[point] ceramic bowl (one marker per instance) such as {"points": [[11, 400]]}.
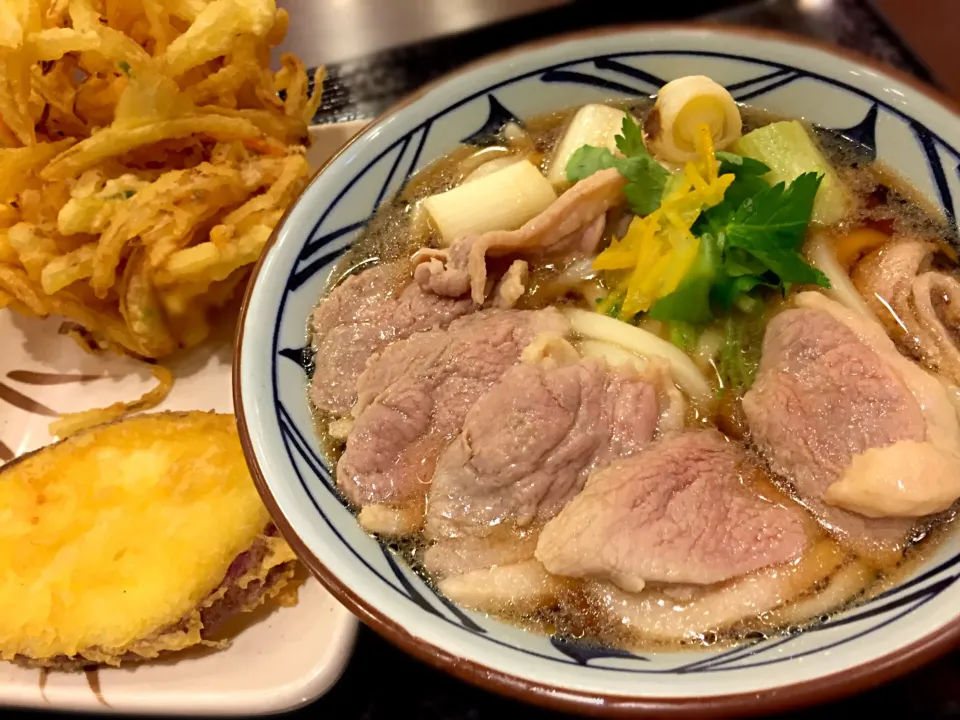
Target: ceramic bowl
{"points": [[908, 128]]}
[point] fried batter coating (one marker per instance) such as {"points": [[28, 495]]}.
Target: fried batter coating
{"points": [[132, 539]]}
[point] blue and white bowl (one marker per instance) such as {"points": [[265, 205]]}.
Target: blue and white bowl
{"points": [[910, 129]]}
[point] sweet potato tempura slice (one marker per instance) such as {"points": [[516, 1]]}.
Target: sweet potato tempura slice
{"points": [[132, 539]]}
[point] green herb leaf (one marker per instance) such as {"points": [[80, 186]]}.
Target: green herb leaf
{"points": [[748, 183], [630, 139], [683, 334], [713, 221], [690, 302], [125, 68], [753, 244], [771, 227], [740, 165], [740, 355], [586, 160], [738, 262], [646, 178], [730, 290], [744, 189], [780, 213]]}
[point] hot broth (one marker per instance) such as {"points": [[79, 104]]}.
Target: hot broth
{"points": [[599, 605]]}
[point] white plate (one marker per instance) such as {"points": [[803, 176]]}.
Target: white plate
{"points": [[285, 657]]}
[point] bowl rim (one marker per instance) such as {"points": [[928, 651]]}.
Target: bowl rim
{"points": [[893, 664]]}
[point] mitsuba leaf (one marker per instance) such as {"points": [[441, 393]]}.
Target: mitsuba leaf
{"points": [[748, 183], [777, 217], [586, 160], [630, 139], [646, 181], [749, 241], [646, 178], [740, 355], [729, 290], [683, 334], [738, 262], [771, 228], [690, 302], [740, 165]]}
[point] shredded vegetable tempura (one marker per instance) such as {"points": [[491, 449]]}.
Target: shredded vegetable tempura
{"points": [[146, 153]]}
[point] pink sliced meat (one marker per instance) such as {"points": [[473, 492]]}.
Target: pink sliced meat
{"points": [[362, 315], [576, 217], [413, 397], [821, 397], [529, 444], [677, 512]]}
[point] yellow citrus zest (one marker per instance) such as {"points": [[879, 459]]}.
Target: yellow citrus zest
{"points": [[651, 259]]}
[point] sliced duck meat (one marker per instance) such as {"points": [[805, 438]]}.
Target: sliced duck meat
{"points": [[836, 407], [520, 589], [576, 218], [918, 303], [528, 444], [666, 615], [502, 546], [589, 240], [362, 315], [413, 397], [444, 272], [681, 511]]}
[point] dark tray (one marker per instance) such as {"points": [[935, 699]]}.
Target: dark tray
{"points": [[365, 87]]}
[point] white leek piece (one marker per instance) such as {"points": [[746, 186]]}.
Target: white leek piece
{"points": [[596, 125], [594, 326], [490, 167], [502, 200], [682, 106]]}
